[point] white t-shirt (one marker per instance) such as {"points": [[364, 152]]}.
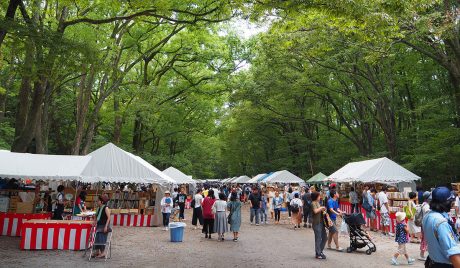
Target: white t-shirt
{"points": [[457, 202], [296, 201], [220, 205], [198, 200], [383, 198]]}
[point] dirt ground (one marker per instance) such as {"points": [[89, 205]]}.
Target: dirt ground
{"points": [[259, 246]]}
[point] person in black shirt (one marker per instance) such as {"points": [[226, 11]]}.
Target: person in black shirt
{"points": [[306, 200], [102, 225], [180, 200], [255, 202], [59, 210]]}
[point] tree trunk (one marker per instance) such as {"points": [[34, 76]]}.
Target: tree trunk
{"points": [[137, 133], [83, 100], [24, 91], [22, 141], [455, 80], [118, 120], [9, 16]]}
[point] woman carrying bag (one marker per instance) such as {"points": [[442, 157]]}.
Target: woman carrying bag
{"points": [[234, 218]]}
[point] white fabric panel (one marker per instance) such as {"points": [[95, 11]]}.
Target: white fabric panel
{"points": [[376, 170], [42, 166], [256, 178], [178, 176], [241, 179], [283, 176], [112, 164]]}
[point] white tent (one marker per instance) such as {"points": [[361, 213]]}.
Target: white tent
{"points": [[241, 179], [42, 166], [256, 178], [179, 176], [283, 176], [375, 170], [112, 164]]}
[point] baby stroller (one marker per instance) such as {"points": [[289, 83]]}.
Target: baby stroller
{"points": [[358, 237]]}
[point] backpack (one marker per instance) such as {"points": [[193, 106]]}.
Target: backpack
{"points": [[295, 208], [408, 212], [419, 215]]}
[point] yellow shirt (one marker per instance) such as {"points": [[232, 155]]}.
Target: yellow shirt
{"points": [[205, 193]]}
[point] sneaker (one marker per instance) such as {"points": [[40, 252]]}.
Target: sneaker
{"points": [[257, 224], [252, 223], [422, 258], [391, 234], [394, 261], [322, 255], [410, 261]]}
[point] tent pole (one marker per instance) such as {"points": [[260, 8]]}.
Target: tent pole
{"points": [[75, 197]]}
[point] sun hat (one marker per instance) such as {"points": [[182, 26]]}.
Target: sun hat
{"points": [[400, 216], [442, 194], [426, 195], [167, 192]]}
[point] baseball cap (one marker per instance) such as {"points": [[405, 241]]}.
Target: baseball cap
{"points": [[442, 194]]}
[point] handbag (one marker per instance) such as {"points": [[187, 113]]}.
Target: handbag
{"points": [[229, 217], [367, 207]]}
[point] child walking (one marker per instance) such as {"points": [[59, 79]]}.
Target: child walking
{"points": [[263, 208], [402, 232]]}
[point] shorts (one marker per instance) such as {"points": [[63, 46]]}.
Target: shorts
{"points": [[333, 228], [402, 249], [385, 219]]}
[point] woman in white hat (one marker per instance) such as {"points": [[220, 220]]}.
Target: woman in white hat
{"points": [[166, 205]]}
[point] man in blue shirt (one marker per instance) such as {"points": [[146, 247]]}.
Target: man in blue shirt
{"points": [[439, 231], [334, 211]]}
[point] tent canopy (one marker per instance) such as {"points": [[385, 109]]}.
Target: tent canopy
{"points": [[42, 166], [179, 176], [318, 178], [375, 170], [241, 179], [283, 176], [112, 164], [256, 178]]}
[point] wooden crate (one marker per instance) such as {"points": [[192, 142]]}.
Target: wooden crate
{"points": [[25, 207]]}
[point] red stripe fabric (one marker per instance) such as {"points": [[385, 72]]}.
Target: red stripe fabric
{"points": [[21, 217], [77, 239], [149, 218], [33, 238], [45, 238], [56, 226], [66, 238]]}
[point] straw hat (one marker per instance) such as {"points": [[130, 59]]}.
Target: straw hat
{"points": [[167, 192], [400, 216]]}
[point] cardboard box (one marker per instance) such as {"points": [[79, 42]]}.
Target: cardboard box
{"points": [[4, 204], [25, 207]]}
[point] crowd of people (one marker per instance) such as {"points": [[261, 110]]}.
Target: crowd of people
{"points": [[427, 223]]}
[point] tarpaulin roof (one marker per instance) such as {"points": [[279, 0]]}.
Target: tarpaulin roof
{"points": [[42, 166], [318, 178], [256, 178], [112, 164], [241, 179], [179, 176], [283, 176], [375, 170]]}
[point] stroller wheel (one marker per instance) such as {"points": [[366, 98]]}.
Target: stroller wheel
{"points": [[374, 249], [368, 252], [349, 250]]}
